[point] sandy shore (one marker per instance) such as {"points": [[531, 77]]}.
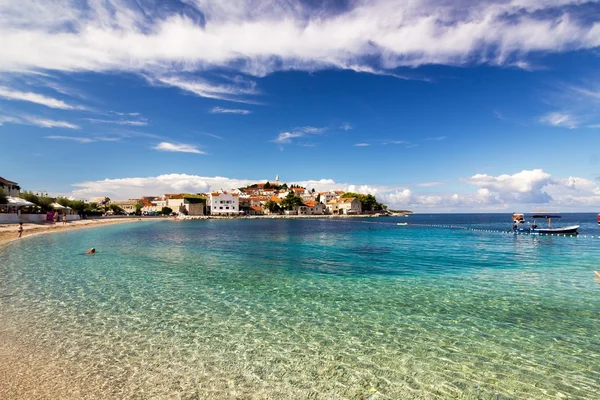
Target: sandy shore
{"points": [[8, 232]]}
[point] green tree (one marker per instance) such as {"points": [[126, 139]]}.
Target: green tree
{"points": [[368, 202], [42, 200], [166, 211], [138, 208], [272, 206], [115, 208], [284, 186], [290, 201], [267, 185], [3, 199]]}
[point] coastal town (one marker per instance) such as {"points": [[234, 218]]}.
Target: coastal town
{"points": [[259, 199]]}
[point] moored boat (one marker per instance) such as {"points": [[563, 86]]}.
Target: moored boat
{"points": [[534, 229]]}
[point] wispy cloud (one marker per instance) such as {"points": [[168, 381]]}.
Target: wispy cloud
{"points": [[11, 94], [431, 184], [49, 123], [361, 145], [594, 94], [71, 138], [138, 122], [560, 119], [286, 137], [124, 114], [397, 142], [345, 126], [370, 36], [220, 110], [229, 92], [436, 138], [212, 135], [301, 131], [310, 129], [178, 147]]}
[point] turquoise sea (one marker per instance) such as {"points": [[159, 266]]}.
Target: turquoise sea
{"points": [[312, 309]]}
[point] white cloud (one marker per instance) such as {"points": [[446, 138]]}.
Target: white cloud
{"points": [[386, 142], [431, 184], [361, 145], [139, 122], [11, 120], [310, 129], [560, 119], [36, 98], [287, 137], [345, 126], [36, 121], [436, 138], [203, 88], [363, 35], [178, 147], [520, 191], [72, 138], [522, 187], [220, 110], [49, 123]]}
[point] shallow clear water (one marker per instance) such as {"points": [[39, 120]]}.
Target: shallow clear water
{"points": [[312, 309]]}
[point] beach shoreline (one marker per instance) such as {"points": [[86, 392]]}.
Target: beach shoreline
{"points": [[8, 232]]}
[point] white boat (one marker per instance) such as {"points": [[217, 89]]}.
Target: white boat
{"points": [[534, 229]]}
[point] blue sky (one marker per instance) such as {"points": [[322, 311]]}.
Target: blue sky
{"points": [[469, 106]]}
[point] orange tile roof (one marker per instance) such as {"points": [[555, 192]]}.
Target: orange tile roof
{"points": [[323, 192], [339, 191], [310, 203], [299, 189], [256, 208], [347, 199], [332, 202], [275, 199], [174, 196]]}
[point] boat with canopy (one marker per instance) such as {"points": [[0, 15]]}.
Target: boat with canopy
{"points": [[535, 229]]}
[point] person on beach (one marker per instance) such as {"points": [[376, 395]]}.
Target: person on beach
{"points": [[55, 218], [64, 219], [91, 251], [20, 229]]}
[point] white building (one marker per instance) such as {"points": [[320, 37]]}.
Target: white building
{"points": [[326, 197], [349, 205], [224, 203], [311, 208], [10, 188]]}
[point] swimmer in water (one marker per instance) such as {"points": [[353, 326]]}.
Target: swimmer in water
{"points": [[91, 251]]}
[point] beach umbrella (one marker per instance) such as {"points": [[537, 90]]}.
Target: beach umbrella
{"points": [[18, 202]]}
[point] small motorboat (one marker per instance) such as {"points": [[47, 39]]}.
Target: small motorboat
{"points": [[402, 223], [534, 229]]}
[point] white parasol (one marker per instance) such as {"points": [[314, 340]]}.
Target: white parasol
{"points": [[18, 202]]}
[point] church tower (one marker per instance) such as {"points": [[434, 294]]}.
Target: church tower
{"points": [[277, 179]]}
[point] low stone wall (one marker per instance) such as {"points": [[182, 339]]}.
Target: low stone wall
{"points": [[30, 218]]}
